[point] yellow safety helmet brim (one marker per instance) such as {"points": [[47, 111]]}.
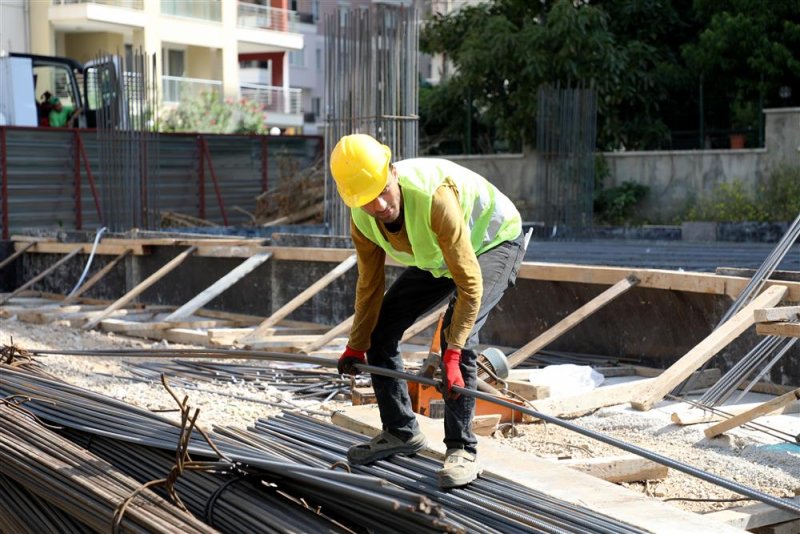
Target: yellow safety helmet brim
{"points": [[360, 167]]}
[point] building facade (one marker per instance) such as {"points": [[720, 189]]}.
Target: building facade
{"points": [[237, 48]]}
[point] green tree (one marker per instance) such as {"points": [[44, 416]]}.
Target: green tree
{"points": [[208, 113], [505, 49], [746, 51]]}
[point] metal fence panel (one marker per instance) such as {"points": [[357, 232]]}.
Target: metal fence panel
{"points": [[40, 173]]}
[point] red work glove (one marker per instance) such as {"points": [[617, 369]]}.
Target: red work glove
{"points": [[348, 359], [452, 372]]}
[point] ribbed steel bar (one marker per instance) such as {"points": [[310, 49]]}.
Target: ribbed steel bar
{"points": [[658, 458]]}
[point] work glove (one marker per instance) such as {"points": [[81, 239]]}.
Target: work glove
{"points": [[348, 359], [452, 372]]}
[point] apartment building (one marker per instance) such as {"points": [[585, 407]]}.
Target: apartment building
{"points": [[238, 48]]}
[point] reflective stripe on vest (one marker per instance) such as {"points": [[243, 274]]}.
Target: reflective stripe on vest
{"points": [[490, 216]]}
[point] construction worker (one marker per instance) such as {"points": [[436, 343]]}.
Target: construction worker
{"points": [[460, 238]]}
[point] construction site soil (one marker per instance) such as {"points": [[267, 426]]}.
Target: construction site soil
{"points": [[748, 457]]}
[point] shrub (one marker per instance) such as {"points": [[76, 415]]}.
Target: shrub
{"points": [[616, 205], [727, 202], [208, 113], [781, 194]]}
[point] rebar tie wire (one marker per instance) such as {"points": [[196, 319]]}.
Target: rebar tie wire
{"points": [[183, 460], [14, 356]]}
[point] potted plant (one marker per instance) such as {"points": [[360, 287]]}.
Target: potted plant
{"points": [[744, 118]]}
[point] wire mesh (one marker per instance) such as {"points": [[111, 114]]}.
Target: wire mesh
{"points": [[123, 95], [371, 86], [566, 136]]}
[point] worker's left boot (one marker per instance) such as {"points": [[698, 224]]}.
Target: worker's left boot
{"points": [[460, 468]]}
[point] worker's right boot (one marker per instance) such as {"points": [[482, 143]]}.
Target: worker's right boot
{"points": [[384, 445]]}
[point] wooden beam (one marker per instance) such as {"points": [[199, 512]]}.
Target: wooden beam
{"points": [[782, 314], [125, 326], [215, 289], [743, 418], [43, 274], [577, 405], [621, 468], [778, 329], [16, 254], [299, 300], [706, 349], [86, 248], [693, 416], [96, 277], [570, 321], [139, 289], [753, 515], [337, 331], [424, 323]]}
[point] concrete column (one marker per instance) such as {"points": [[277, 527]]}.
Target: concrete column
{"points": [[43, 40], [150, 38], [230, 49]]}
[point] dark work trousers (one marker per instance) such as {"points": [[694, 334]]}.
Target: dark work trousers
{"points": [[414, 293]]}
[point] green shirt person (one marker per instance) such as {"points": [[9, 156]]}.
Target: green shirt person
{"points": [[61, 116]]}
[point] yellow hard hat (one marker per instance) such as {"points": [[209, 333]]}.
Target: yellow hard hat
{"points": [[360, 167]]}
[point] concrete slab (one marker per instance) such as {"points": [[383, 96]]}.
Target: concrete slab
{"points": [[558, 481]]}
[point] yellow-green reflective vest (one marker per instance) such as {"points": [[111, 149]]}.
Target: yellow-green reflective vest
{"points": [[490, 216]]}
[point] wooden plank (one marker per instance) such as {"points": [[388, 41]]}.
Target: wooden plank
{"points": [[753, 515], [571, 320], [621, 468], [124, 327], [215, 289], [96, 277], [527, 390], [778, 329], [743, 418], [781, 313], [694, 416], [485, 425], [577, 405], [139, 289], [16, 254], [788, 527], [706, 349], [424, 323], [283, 341], [299, 300], [41, 275], [550, 478], [337, 331], [86, 248]]}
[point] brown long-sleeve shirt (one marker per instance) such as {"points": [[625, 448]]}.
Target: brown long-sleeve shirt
{"points": [[447, 222]]}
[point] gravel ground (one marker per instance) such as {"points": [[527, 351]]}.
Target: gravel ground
{"points": [[743, 456]]}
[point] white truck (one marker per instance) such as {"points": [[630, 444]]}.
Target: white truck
{"points": [[27, 80]]}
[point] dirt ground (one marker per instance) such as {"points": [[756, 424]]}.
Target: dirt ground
{"points": [[748, 457]]}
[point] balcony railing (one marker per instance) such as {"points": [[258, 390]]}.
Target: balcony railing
{"points": [[130, 4], [267, 18], [176, 88], [206, 10], [275, 99]]}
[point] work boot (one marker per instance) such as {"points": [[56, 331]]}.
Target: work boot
{"points": [[384, 445], [460, 468]]}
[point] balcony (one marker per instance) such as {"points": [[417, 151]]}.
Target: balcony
{"points": [[266, 18], [208, 10], [284, 107], [176, 88], [129, 4], [96, 15]]}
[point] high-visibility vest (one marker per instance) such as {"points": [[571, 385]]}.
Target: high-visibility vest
{"points": [[490, 216]]}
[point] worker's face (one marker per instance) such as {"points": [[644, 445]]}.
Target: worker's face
{"points": [[389, 204]]}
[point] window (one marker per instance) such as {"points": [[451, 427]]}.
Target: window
{"points": [[316, 104], [174, 63], [297, 58], [319, 59], [315, 10]]}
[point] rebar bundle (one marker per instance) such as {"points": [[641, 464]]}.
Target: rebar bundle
{"points": [[371, 86], [90, 490]]}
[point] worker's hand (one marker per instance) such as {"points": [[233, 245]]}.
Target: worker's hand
{"points": [[348, 359], [452, 372]]}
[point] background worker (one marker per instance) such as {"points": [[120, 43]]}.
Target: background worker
{"points": [[459, 237], [61, 116]]}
